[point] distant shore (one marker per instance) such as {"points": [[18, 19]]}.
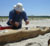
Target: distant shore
{"points": [[29, 17]]}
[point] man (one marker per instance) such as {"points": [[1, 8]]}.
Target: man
{"points": [[16, 16]]}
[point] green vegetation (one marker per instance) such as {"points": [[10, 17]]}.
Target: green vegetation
{"points": [[30, 17], [1, 17], [39, 17]]}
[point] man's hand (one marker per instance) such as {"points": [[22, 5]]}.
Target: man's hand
{"points": [[27, 22], [16, 24], [11, 22]]}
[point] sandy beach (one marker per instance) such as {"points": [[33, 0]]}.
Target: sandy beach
{"points": [[33, 41]]}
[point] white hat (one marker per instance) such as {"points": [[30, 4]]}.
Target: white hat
{"points": [[19, 7]]}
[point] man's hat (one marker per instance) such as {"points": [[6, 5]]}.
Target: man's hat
{"points": [[19, 7]]}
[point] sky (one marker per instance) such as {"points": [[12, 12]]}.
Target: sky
{"points": [[32, 7]]}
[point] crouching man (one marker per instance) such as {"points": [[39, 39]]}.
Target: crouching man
{"points": [[16, 15]]}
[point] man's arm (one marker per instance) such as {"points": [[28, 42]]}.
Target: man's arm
{"points": [[25, 18], [27, 22], [11, 20], [11, 17]]}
